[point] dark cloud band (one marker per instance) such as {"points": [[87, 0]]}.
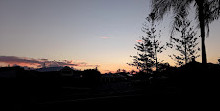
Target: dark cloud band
{"points": [[39, 62]]}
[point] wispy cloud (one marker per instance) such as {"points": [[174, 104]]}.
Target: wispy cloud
{"points": [[138, 40], [105, 37], [24, 61]]}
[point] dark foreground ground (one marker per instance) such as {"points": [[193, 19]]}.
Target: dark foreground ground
{"points": [[125, 102], [112, 98], [185, 88]]}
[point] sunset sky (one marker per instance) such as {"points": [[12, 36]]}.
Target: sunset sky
{"points": [[81, 33]]}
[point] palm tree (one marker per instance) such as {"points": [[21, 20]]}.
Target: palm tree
{"points": [[206, 12]]}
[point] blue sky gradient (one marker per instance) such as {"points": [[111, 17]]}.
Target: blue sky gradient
{"points": [[98, 32]]}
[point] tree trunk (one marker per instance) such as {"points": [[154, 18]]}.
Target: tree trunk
{"points": [[185, 52], [185, 48], [155, 50], [202, 29]]}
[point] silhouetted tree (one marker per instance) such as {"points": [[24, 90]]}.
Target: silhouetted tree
{"points": [[150, 30], [121, 70], [132, 72], [144, 59], [91, 76], [186, 44], [206, 12], [149, 47], [163, 66]]}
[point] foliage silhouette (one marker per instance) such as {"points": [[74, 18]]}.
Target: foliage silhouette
{"points": [[153, 36], [206, 12], [144, 59], [148, 47], [186, 44]]}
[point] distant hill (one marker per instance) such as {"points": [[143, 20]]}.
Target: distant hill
{"points": [[49, 69]]}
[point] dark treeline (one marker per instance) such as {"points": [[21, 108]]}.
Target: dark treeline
{"points": [[22, 87], [27, 87]]}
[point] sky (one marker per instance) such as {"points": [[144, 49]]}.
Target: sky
{"points": [[81, 33]]}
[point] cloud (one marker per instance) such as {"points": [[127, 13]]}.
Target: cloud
{"points": [[105, 37], [138, 40], [44, 59], [30, 62], [19, 60]]}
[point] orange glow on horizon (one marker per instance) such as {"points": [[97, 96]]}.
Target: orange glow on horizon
{"points": [[102, 67]]}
